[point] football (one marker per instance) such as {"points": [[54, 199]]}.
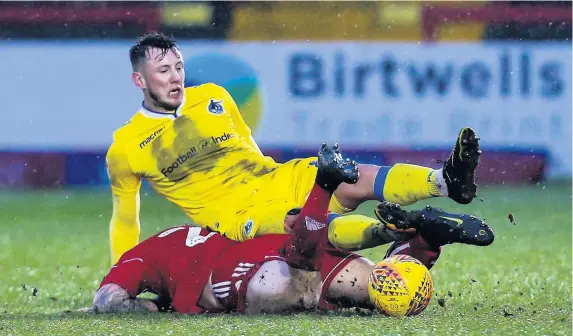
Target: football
{"points": [[400, 286]]}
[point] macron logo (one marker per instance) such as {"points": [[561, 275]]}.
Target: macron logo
{"points": [[313, 225], [151, 137]]}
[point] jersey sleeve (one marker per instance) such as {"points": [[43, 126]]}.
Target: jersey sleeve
{"points": [[125, 185], [240, 125], [128, 273]]}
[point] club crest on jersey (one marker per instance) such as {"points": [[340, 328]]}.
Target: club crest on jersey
{"points": [[215, 106], [248, 227]]}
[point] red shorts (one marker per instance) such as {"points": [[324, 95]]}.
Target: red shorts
{"points": [[235, 267]]}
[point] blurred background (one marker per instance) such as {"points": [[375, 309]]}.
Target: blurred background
{"points": [[391, 81]]}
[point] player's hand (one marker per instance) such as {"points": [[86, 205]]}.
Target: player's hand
{"points": [[290, 220], [289, 224], [88, 310]]}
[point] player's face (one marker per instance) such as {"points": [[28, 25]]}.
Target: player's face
{"points": [[162, 79]]}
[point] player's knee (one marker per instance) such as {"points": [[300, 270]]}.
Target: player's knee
{"points": [[352, 232], [333, 229]]}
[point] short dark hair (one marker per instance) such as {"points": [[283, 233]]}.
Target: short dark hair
{"points": [[294, 211], [139, 51]]}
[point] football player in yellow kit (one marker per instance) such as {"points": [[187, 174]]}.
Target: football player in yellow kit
{"points": [[194, 148]]}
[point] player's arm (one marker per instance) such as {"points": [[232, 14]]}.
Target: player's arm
{"points": [[125, 185], [112, 298], [128, 278], [242, 128]]}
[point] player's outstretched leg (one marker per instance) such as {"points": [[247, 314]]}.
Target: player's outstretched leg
{"points": [[418, 248], [436, 226], [459, 169], [407, 183], [305, 247]]}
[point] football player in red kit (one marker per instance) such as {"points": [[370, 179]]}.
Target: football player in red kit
{"points": [[193, 270]]}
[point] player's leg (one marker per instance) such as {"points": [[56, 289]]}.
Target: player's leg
{"points": [[262, 203], [306, 245], [355, 232], [358, 232], [401, 183], [295, 283], [434, 228], [345, 283], [406, 184], [418, 248], [296, 178], [437, 227]]}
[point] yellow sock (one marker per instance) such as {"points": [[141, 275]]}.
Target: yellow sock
{"points": [[336, 207], [353, 232], [406, 184]]}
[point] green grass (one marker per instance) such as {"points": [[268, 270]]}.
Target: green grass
{"points": [[55, 245]]}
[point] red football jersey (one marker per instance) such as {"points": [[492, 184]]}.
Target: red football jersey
{"points": [[174, 264]]}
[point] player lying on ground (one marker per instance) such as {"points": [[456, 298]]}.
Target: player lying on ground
{"points": [[193, 146], [194, 270]]}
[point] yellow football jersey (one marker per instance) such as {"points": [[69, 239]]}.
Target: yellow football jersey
{"points": [[191, 156]]}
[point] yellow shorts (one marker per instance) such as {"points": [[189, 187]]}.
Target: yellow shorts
{"points": [[260, 206]]}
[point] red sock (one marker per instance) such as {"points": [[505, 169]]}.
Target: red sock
{"points": [[418, 248], [304, 248]]}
